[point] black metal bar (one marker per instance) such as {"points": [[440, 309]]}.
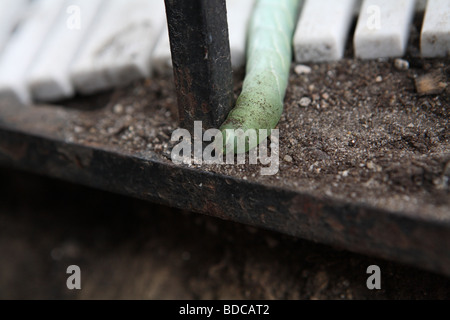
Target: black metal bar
{"points": [[200, 48]]}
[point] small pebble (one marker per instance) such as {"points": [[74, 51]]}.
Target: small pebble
{"points": [[326, 96], [288, 158], [305, 102], [401, 64], [118, 109], [379, 79], [302, 69], [370, 165]]}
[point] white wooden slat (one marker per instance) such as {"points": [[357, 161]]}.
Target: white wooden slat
{"points": [[435, 39], [49, 78], [162, 58], [10, 13], [23, 47], [383, 28], [239, 14], [322, 30], [121, 45]]}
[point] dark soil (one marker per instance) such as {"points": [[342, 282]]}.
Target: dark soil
{"points": [[131, 249], [366, 136]]}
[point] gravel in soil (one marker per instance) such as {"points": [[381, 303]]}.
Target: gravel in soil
{"points": [[365, 135]]}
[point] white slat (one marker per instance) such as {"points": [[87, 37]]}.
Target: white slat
{"points": [[239, 14], [120, 47], [383, 28], [23, 47], [10, 13], [162, 58], [323, 29], [49, 78], [435, 40]]}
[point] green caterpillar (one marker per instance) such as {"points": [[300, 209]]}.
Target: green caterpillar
{"points": [[269, 56]]}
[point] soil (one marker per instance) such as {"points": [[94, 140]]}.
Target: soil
{"points": [[365, 136], [131, 249]]}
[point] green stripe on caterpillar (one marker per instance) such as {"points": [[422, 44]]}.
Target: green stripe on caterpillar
{"points": [[269, 56]]}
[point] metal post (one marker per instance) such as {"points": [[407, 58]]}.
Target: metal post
{"points": [[200, 48]]}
